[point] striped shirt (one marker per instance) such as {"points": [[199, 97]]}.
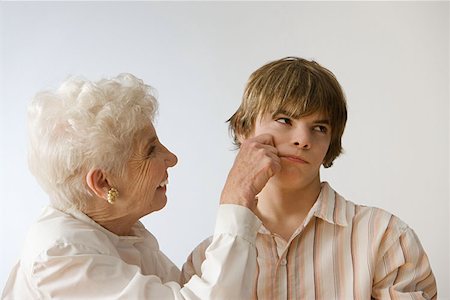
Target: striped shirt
{"points": [[341, 251]]}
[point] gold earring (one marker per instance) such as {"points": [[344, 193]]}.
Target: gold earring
{"points": [[112, 195]]}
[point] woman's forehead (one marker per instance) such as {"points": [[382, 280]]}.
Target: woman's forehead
{"points": [[145, 135]]}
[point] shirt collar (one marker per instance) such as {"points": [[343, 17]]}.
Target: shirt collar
{"points": [[330, 206]]}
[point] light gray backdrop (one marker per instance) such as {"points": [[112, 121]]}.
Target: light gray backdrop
{"points": [[392, 59]]}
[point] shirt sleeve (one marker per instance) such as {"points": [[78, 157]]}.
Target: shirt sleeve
{"points": [[403, 271], [75, 272], [193, 263]]}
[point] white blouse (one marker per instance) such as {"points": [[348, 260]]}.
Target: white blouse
{"points": [[67, 255]]}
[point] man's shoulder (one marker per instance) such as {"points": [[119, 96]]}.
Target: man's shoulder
{"points": [[379, 223], [375, 215], [358, 214], [193, 263], [200, 249]]}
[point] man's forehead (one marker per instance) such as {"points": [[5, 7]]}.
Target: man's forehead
{"points": [[320, 115]]}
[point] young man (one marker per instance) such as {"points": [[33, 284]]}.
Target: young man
{"points": [[314, 244]]}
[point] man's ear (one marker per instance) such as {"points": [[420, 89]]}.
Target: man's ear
{"points": [[240, 138], [97, 182]]}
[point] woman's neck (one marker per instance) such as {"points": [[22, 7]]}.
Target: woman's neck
{"points": [[109, 217]]}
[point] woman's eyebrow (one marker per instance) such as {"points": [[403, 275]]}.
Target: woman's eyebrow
{"points": [[150, 141]]}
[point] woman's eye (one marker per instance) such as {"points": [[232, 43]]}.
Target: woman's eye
{"points": [[283, 120], [150, 151]]}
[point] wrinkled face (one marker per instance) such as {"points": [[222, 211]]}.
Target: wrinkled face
{"points": [[301, 143], [144, 185]]}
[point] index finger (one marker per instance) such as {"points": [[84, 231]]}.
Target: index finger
{"points": [[265, 138]]}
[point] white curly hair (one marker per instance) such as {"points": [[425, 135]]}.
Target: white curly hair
{"points": [[84, 125]]}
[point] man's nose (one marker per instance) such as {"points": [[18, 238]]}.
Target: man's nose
{"points": [[302, 138]]}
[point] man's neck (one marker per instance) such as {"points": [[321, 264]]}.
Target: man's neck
{"points": [[283, 210]]}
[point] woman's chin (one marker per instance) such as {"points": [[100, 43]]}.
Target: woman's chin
{"points": [[159, 203]]}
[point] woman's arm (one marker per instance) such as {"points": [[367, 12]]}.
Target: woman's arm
{"points": [[72, 271]]}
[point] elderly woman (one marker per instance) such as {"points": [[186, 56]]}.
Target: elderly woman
{"points": [[94, 150]]}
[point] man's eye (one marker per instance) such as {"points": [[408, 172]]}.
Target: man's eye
{"points": [[323, 129], [283, 120]]}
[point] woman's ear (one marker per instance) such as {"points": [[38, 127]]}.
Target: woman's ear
{"points": [[97, 182]]}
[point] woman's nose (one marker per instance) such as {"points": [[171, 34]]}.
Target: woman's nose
{"points": [[171, 159]]}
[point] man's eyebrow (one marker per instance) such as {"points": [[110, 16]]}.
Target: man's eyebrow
{"points": [[281, 112], [319, 121], [322, 121]]}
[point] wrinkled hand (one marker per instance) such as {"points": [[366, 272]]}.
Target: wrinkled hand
{"points": [[256, 162]]}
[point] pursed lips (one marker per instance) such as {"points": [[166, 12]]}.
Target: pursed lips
{"points": [[294, 158]]}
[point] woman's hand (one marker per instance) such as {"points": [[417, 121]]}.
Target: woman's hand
{"points": [[256, 162]]}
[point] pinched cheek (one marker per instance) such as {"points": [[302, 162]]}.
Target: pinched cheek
{"points": [[263, 130]]}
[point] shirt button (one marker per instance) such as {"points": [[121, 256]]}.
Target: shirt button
{"points": [[283, 262]]}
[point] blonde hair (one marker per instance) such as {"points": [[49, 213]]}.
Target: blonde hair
{"points": [[297, 87], [84, 125]]}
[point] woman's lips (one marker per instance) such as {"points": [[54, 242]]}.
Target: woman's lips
{"points": [[162, 188], [163, 185], [294, 159]]}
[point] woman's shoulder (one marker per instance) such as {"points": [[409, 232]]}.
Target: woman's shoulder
{"points": [[60, 233]]}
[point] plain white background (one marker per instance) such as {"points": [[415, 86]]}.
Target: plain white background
{"points": [[392, 59]]}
